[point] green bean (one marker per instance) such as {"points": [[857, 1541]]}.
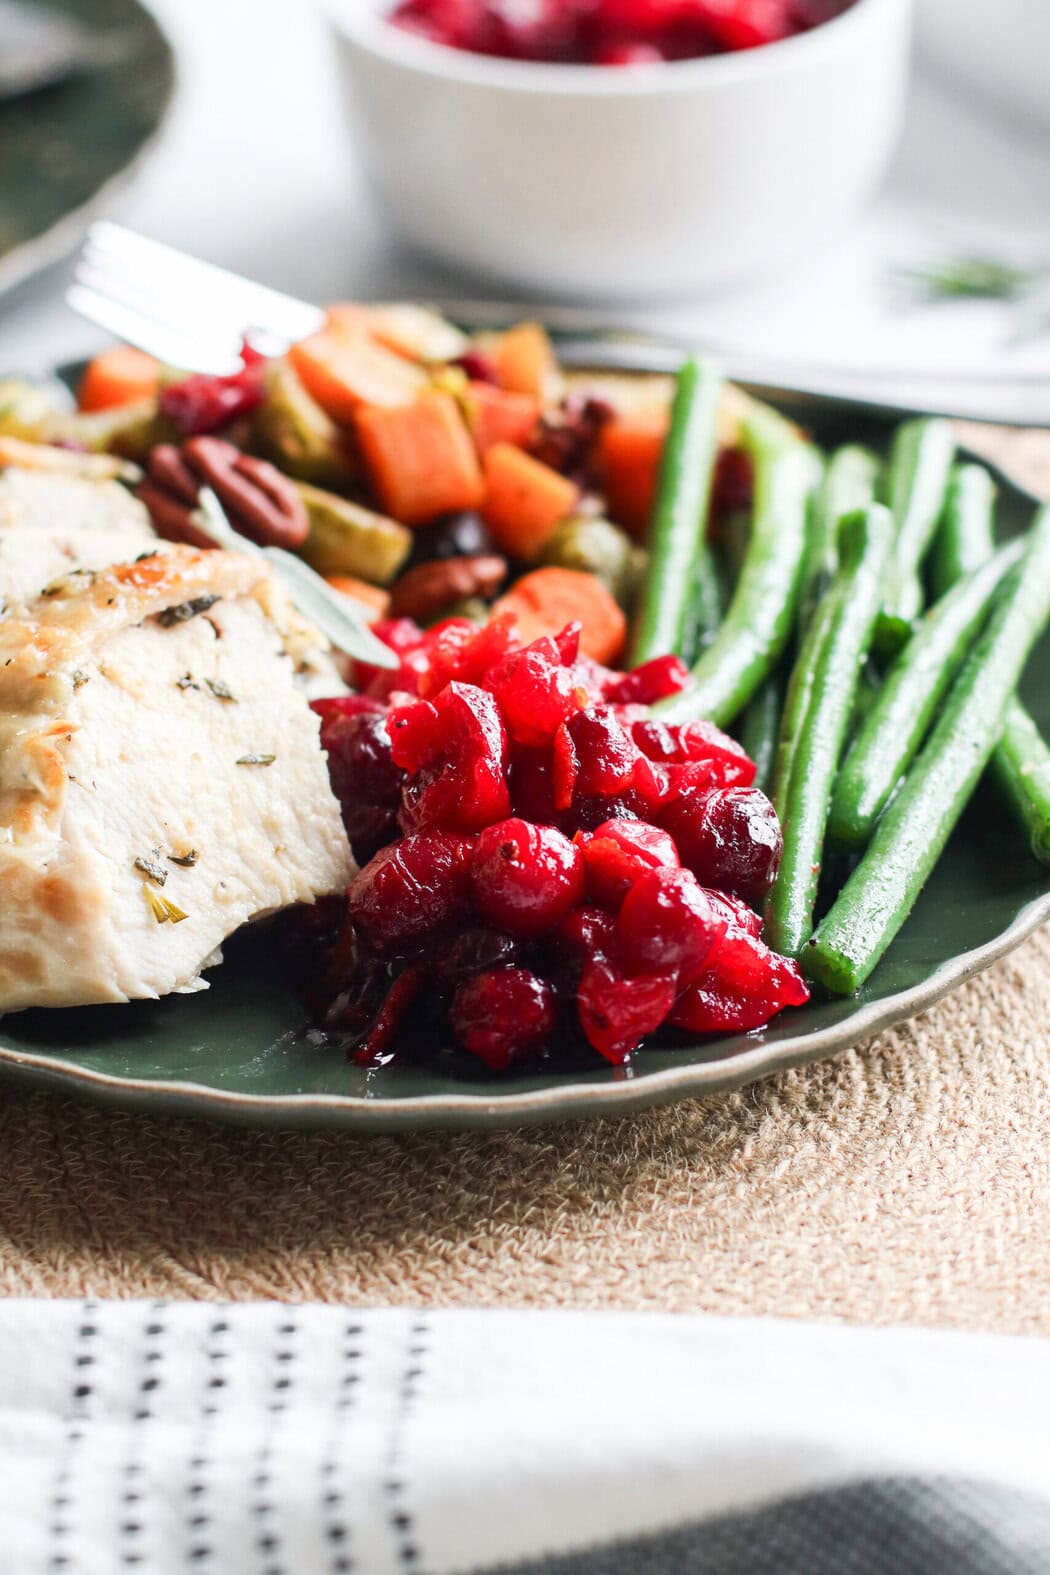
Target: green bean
{"points": [[848, 485], [816, 716], [758, 623], [678, 550], [910, 837], [920, 464], [899, 720], [1020, 769], [1020, 766], [703, 612], [966, 536], [760, 729]]}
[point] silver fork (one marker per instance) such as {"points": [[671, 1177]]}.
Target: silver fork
{"points": [[192, 314]]}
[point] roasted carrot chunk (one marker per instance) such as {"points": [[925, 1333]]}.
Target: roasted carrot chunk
{"points": [[525, 362], [524, 499], [544, 601], [374, 601], [120, 376], [343, 369], [496, 415], [419, 457], [630, 448]]}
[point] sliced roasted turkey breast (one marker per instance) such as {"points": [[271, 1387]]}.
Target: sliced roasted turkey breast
{"points": [[161, 778]]}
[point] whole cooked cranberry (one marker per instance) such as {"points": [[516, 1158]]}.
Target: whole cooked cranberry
{"points": [[405, 639], [411, 890], [619, 852], [454, 751], [588, 932], [618, 1009], [667, 924], [364, 778], [536, 691], [503, 1014], [591, 810], [729, 837], [525, 878], [473, 951]]}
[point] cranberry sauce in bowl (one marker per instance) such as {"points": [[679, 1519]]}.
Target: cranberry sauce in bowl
{"points": [[610, 32]]}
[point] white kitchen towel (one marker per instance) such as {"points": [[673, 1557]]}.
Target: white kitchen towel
{"points": [[278, 1440]]}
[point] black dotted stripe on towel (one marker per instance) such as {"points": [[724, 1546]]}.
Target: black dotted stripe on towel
{"points": [[264, 1508], [131, 1525], [199, 1550], [61, 1527], [395, 1487], [333, 1495]]}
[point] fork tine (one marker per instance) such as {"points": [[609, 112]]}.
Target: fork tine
{"points": [[173, 347], [206, 332], [119, 251]]}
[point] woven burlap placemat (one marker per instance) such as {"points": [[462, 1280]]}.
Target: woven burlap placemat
{"points": [[906, 1180]]}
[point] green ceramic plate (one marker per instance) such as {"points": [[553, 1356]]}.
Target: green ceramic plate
{"points": [[68, 149], [239, 1052]]}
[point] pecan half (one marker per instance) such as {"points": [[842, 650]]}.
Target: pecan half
{"points": [[425, 590], [259, 501]]}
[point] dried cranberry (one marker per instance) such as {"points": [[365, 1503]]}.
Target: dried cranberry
{"points": [[411, 890], [525, 878], [729, 837], [653, 680], [536, 690], [503, 1014], [454, 749], [364, 778], [741, 987], [202, 403], [566, 436], [619, 852], [479, 367], [667, 924], [617, 1009]]}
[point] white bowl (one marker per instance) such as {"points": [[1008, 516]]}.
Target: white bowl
{"points": [[1000, 47], [624, 182]]}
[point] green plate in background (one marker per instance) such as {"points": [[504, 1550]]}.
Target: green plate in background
{"points": [[240, 1051], [67, 150]]}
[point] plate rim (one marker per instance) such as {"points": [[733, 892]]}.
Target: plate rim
{"points": [[557, 1102]]}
